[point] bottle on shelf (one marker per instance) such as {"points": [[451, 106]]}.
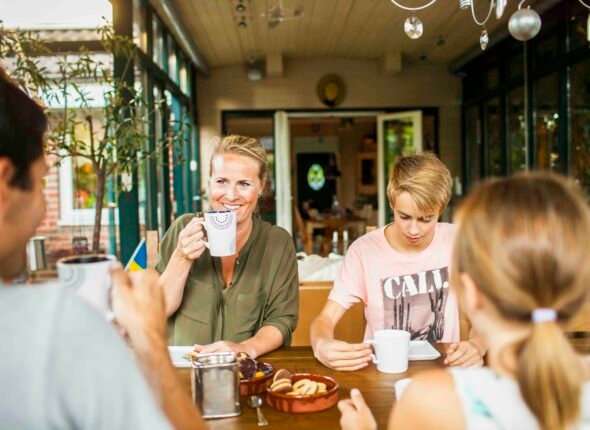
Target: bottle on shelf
{"points": [[335, 242], [344, 242]]}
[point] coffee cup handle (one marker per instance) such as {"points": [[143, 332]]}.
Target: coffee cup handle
{"points": [[373, 356], [204, 224]]}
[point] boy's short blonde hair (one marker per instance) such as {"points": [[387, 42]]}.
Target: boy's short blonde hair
{"points": [[425, 178]]}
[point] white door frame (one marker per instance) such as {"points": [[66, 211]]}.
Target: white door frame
{"points": [[416, 116], [283, 162]]}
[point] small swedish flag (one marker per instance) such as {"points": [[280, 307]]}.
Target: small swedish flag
{"points": [[138, 260]]}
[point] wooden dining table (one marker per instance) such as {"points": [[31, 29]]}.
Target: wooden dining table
{"points": [[377, 388]]}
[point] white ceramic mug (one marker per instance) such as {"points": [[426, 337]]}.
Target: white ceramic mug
{"points": [[88, 276], [221, 232], [392, 348]]}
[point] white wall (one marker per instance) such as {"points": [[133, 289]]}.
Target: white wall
{"points": [[419, 85]]}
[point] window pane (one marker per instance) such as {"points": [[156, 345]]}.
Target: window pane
{"points": [[516, 129], [158, 42], [578, 28], [84, 178], [139, 32], [493, 78], [494, 138], [473, 141], [580, 123], [172, 63], [546, 50], [547, 122]]}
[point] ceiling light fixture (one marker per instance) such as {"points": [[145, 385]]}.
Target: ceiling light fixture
{"points": [[413, 26], [240, 8], [484, 38], [242, 24], [524, 24]]}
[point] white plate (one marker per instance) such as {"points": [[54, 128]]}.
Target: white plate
{"points": [[177, 355], [422, 350]]}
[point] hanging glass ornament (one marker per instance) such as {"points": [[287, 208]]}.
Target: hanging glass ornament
{"points": [[524, 24], [484, 39], [413, 27]]}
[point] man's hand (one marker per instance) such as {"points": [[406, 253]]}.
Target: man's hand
{"points": [[190, 243], [464, 354], [138, 305], [340, 355], [356, 415]]}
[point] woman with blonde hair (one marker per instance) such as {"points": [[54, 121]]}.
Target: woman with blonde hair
{"points": [[522, 269], [247, 302]]}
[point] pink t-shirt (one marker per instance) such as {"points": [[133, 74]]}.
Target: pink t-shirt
{"points": [[401, 291]]}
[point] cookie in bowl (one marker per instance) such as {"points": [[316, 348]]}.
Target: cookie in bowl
{"points": [[302, 392]]}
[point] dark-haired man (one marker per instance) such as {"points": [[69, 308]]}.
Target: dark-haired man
{"points": [[61, 365]]}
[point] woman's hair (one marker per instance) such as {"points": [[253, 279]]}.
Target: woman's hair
{"points": [[425, 178], [242, 145], [524, 242]]}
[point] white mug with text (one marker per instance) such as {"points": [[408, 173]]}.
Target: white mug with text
{"points": [[392, 349]]}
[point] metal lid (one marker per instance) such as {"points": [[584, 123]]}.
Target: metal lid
{"points": [[214, 359]]}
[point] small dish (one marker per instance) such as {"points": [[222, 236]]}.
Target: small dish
{"points": [[305, 403], [177, 355], [422, 350], [256, 386]]}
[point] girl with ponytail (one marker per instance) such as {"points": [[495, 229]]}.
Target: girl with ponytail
{"points": [[521, 266]]}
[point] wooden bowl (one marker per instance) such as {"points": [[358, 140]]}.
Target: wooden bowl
{"points": [[256, 386], [305, 404]]}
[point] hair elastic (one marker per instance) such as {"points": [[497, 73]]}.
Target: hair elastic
{"points": [[541, 315]]}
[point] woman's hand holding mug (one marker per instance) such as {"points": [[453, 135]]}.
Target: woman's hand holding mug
{"points": [[191, 243]]}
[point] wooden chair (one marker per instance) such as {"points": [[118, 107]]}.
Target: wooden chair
{"points": [[312, 298], [306, 241], [152, 243]]}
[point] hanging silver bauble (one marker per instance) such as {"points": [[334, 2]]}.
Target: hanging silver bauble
{"points": [[413, 27], [500, 6], [484, 39], [524, 24]]}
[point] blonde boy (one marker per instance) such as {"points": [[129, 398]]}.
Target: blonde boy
{"points": [[400, 272]]}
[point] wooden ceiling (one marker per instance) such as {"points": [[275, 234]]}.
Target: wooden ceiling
{"points": [[364, 29]]}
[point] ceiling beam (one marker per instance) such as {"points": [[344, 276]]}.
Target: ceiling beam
{"points": [[274, 65]]}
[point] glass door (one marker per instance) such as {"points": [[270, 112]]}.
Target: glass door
{"points": [[398, 134]]}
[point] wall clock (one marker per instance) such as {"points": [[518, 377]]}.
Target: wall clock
{"points": [[331, 90]]}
